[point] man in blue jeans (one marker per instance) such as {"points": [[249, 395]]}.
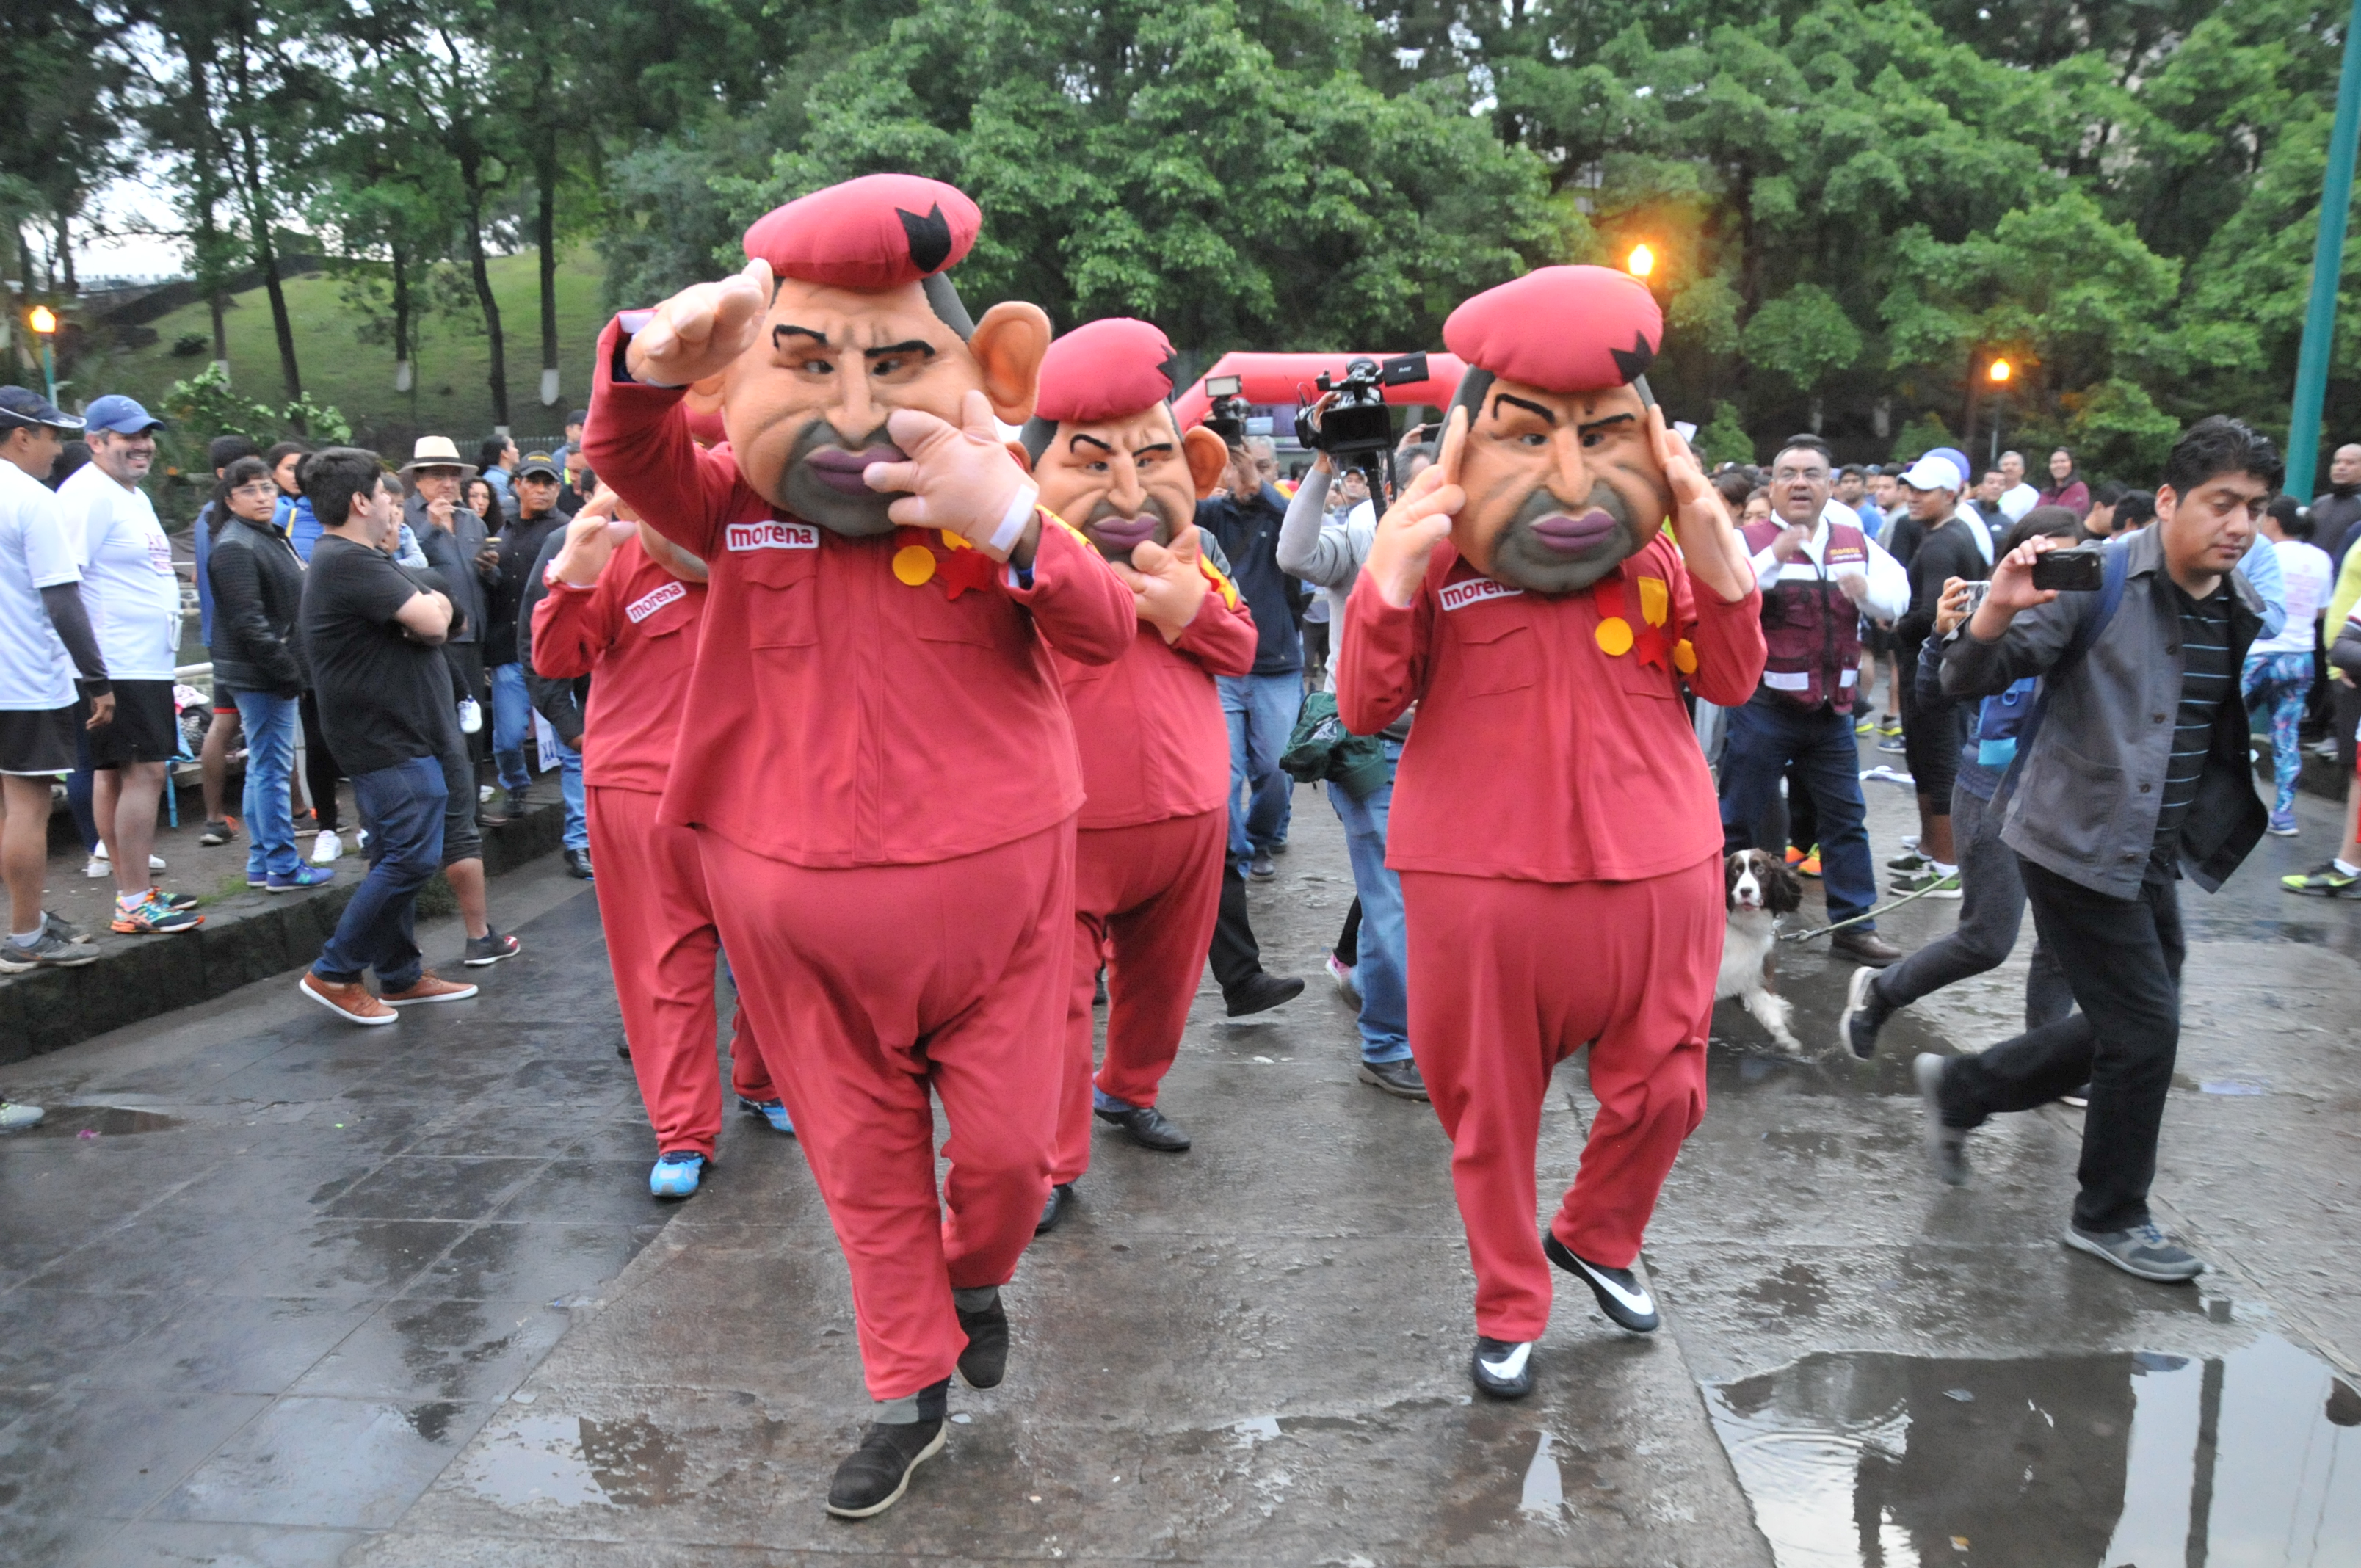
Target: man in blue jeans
{"points": [[1261, 706], [1819, 574], [538, 519], [371, 633]]}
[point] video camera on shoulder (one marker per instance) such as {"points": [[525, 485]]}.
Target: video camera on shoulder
{"points": [[1227, 417], [1359, 423]]}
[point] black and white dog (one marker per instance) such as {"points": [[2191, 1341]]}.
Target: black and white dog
{"points": [[1757, 889]]}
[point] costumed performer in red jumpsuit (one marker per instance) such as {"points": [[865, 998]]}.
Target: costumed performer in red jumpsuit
{"points": [[1554, 823], [1155, 752], [875, 757], [624, 605]]}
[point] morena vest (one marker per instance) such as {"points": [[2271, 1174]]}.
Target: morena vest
{"points": [[1812, 629]]}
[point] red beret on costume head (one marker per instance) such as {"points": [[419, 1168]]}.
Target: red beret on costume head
{"points": [[1105, 369], [1562, 329], [875, 232]]}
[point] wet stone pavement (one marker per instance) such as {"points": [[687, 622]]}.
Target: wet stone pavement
{"points": [[312, 1296]]}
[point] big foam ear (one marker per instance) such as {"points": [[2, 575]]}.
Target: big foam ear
{"points": [[1008, 344], [1209, 458]]}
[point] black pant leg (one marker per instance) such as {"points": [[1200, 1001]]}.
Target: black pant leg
{"points": [[1235, 957], [1348, 940]]}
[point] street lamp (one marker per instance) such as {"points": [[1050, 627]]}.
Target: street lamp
{"points": [[44, 323], [1640, 262], [1997, 372]]}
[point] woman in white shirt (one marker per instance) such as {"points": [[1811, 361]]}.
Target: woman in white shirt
{"points": [[2280, 670]]}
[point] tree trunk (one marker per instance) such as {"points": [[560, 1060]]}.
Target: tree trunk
{"points": [[470, 171], [404, 374], [65, 250], [204, 165], [545, 176], [248, 173]]}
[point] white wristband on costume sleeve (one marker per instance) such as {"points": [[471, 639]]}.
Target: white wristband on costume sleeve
{"points": [[1020, 513]]}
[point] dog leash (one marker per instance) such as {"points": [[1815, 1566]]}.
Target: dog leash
{"points": [[1866, 914]]}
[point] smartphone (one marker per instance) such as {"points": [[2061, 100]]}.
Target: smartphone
{"points": [[1976, 592], [2078, 571]]}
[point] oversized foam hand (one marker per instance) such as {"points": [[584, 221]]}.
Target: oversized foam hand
{"points": [[1710, 547], [1419, 520], [699, 331], [1166, 583], [959, 478]]}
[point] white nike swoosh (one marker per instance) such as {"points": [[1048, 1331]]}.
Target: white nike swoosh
{"points": [[1510, 1365], [1635, 1301]]}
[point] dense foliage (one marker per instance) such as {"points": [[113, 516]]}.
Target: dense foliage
{"points": [[1856, 204]]}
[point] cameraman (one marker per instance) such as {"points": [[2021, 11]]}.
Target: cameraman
{"points": [[1260, 706], [2132, 767], [1328, 555]]}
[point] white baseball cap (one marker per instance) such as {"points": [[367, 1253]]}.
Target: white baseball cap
{"points": [[1933, 473]]}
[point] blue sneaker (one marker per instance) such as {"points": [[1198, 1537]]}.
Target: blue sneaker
{"points": [[676, 1173], [771, 1110], [300, 878]]}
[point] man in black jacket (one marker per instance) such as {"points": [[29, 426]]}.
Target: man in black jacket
{"points": [[458, 545], [257, 582], [1931, 736], [518, 544], [561, 703]]}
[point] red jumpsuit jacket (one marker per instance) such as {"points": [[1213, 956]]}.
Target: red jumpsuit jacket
{"points": [[842, 714]]}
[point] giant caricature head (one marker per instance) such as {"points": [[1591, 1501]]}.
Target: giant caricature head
{"points": [[1561, 478], [864, 322], [1104, 447]]}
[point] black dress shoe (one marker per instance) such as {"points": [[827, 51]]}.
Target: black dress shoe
{"points": [[577, 863], [1147, 1127], [1863, 948], [1620, 1295], [1263, 993], [985, 1359], [1399, 1079], [1055, 1208], [875, 1476], [1502, 1368]]}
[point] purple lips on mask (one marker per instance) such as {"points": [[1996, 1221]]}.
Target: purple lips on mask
{"points": [[1572, 535], [1122, 533], [841, 470]]}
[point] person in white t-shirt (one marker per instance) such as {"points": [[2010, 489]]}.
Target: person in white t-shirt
{"points": [[2280, 670], [2016, 497], [133, 598], [45, 637]]}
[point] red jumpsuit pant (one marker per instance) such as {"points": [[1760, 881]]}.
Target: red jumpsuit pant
{"points": [[1145, 898], [1507, 979], [661, 942], [874, 987]]}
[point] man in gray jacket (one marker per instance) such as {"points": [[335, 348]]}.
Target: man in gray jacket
{"points": [[2133, 770]]}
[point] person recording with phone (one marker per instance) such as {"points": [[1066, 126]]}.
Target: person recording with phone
{"points": [[1931, 734], [2131, 771]]}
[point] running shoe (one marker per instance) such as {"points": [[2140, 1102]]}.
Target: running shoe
{"points": [[2323, 880], [771, 1110], [151, 916], [2283, 824], [1867, 726], [15, 1118], [1907, 860], [48, 950], [676, 1173], [326, 846], [65, 929], [1794, 857], [299, 879], [218, 834], [490, 948], [1926, 883], [1348, 985], [1889, 725], [1810, 864], [1892, 744], [173, 900]]}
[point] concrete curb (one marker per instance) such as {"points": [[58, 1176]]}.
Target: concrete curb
{"points": [[247, 938]]}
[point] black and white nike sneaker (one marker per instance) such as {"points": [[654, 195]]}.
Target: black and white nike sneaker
{"points": [[1502, 1368], [1620, 1295]]}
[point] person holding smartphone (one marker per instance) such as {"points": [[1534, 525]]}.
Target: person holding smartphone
{"points": [[2131, 771]]}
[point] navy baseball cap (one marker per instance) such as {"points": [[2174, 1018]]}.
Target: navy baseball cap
{"points": [[20, 409], [539, 462], [120, 414]]}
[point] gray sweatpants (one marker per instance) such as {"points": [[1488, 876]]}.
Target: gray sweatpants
{"points": [[1991, 908]]}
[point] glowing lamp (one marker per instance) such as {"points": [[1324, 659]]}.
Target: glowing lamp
{"points": [[1998, 371], [1640, 262], [42, 320]]}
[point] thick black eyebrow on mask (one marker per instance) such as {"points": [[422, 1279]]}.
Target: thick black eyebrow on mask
{"points": [[1603, 423], [915, 345], [786, 329], [1520, 402]]}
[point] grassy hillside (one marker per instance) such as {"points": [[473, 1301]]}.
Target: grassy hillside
{"points": [[449, 397]]}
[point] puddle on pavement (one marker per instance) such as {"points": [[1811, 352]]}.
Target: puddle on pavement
{"points": [[1868, 1460], [573, 1461], [101, 1122]]}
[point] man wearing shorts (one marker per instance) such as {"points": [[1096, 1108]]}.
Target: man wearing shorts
{"points": [[134, 600], [41, 619]]}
